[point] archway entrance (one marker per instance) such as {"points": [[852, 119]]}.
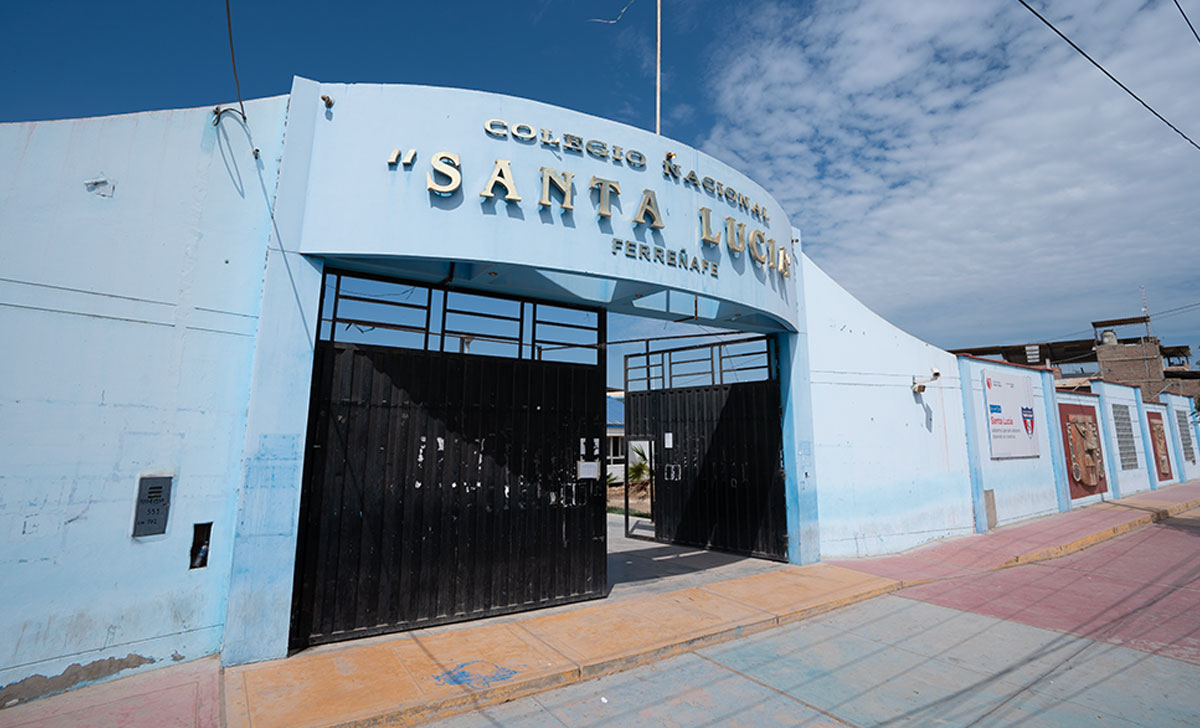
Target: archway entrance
{"points": [[708, 416]]}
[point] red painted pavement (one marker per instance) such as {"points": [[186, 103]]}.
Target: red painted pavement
{"points": [[1140, 590], [181, 696], [981, 553]]}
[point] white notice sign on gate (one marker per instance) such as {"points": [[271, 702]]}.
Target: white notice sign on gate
{"points": [[1012, 422]]}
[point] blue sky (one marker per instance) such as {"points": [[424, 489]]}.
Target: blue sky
{"points": [[954, 165]]}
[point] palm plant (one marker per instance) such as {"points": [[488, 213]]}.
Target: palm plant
{"points": [[639, 469]]}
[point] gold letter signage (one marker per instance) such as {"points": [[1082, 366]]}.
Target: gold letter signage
{"points": [[445, 177]]}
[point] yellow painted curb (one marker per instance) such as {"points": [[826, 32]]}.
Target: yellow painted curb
{"points": [[445, 707], [1080, 544], [417, 714], [578, 670], [833, 604]]}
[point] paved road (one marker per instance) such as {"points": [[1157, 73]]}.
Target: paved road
{"points": [[1108, 636]]}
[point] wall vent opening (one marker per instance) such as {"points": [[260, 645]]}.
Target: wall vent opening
{"points": [[200, 535]]}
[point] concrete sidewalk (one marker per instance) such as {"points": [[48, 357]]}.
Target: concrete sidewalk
{"points": [[407, 678], [1044, 538]]}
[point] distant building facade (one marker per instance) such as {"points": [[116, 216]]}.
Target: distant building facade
{"points": [[1141, 361]]}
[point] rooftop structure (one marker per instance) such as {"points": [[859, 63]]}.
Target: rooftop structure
{"points": [[1140, 360]]}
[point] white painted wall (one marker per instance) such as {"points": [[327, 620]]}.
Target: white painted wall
{"points": [[1023, 487], [891, 466], [1136, 479], [129, 322], [1175, 403]]}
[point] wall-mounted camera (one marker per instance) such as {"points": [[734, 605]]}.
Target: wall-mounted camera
{"points": [[918, 383]]}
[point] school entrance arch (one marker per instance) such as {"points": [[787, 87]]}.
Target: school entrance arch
{"points": [[457, 194]]}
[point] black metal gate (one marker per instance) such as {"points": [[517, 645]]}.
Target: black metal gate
{"points": [[447, 485], [717, 447]]}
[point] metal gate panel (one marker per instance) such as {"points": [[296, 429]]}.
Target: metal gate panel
{"points": [[442, 487], [721, 483]]}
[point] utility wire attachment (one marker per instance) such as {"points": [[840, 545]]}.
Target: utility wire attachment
{"points": [[601, 20], [657, 60], [1106, 73], [237, 84]]}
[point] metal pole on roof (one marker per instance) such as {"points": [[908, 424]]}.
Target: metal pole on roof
{"points": [[658, 76]]}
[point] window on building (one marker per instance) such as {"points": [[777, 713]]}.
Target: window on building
{"points": [[1125, 445], [1185, 434], [616, 449]]}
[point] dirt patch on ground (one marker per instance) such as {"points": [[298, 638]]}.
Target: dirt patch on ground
{"points": [[639, 498], [37, 686]]}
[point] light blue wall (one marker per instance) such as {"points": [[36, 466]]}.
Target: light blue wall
{"points": [[1136, 479], [799, 458], [260, 597], [1023, 487], [1177, 403], [137, 318], [381, 215], [1092, 401], [891, 465], [1058, 449], [129, 324]]}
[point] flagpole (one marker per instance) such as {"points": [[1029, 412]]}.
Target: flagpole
{"points": [[658, 77]]}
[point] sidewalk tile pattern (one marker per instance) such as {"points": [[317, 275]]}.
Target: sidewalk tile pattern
{"points": [[409, 678]]}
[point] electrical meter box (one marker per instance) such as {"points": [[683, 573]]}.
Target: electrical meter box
{"points": [[154, 499]]}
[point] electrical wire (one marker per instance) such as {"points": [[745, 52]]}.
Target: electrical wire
{"points": [[614, 20], [1067, 336], [1188, 21], [1113, 78], [236, 83], [1177, 308], [1174, 313]]}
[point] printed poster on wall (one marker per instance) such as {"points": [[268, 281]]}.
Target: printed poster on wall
{"points": [[1012, 422]]}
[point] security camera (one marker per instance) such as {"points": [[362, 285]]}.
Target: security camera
{"points": [[918, 383]]}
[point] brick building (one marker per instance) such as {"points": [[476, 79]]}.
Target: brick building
{"points": [[1140, 360]]}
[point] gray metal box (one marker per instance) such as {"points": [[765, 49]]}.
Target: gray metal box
{"points": [[154, 500]]}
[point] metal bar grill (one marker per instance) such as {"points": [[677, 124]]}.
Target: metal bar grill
{"points": [[443, 486], [671, 368], [372, 307], [716, 456]]}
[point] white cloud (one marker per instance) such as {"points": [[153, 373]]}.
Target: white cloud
{"points": [[963, 171]]}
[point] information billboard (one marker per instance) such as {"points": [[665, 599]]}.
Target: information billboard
{"points": [[1012, 418]]}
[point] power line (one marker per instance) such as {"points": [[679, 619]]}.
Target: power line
{"points": [[1155, 316], [1106, 73], [235, 82], [1175, 313], [1177, 308], [1080, 332], [1187, 20]]}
